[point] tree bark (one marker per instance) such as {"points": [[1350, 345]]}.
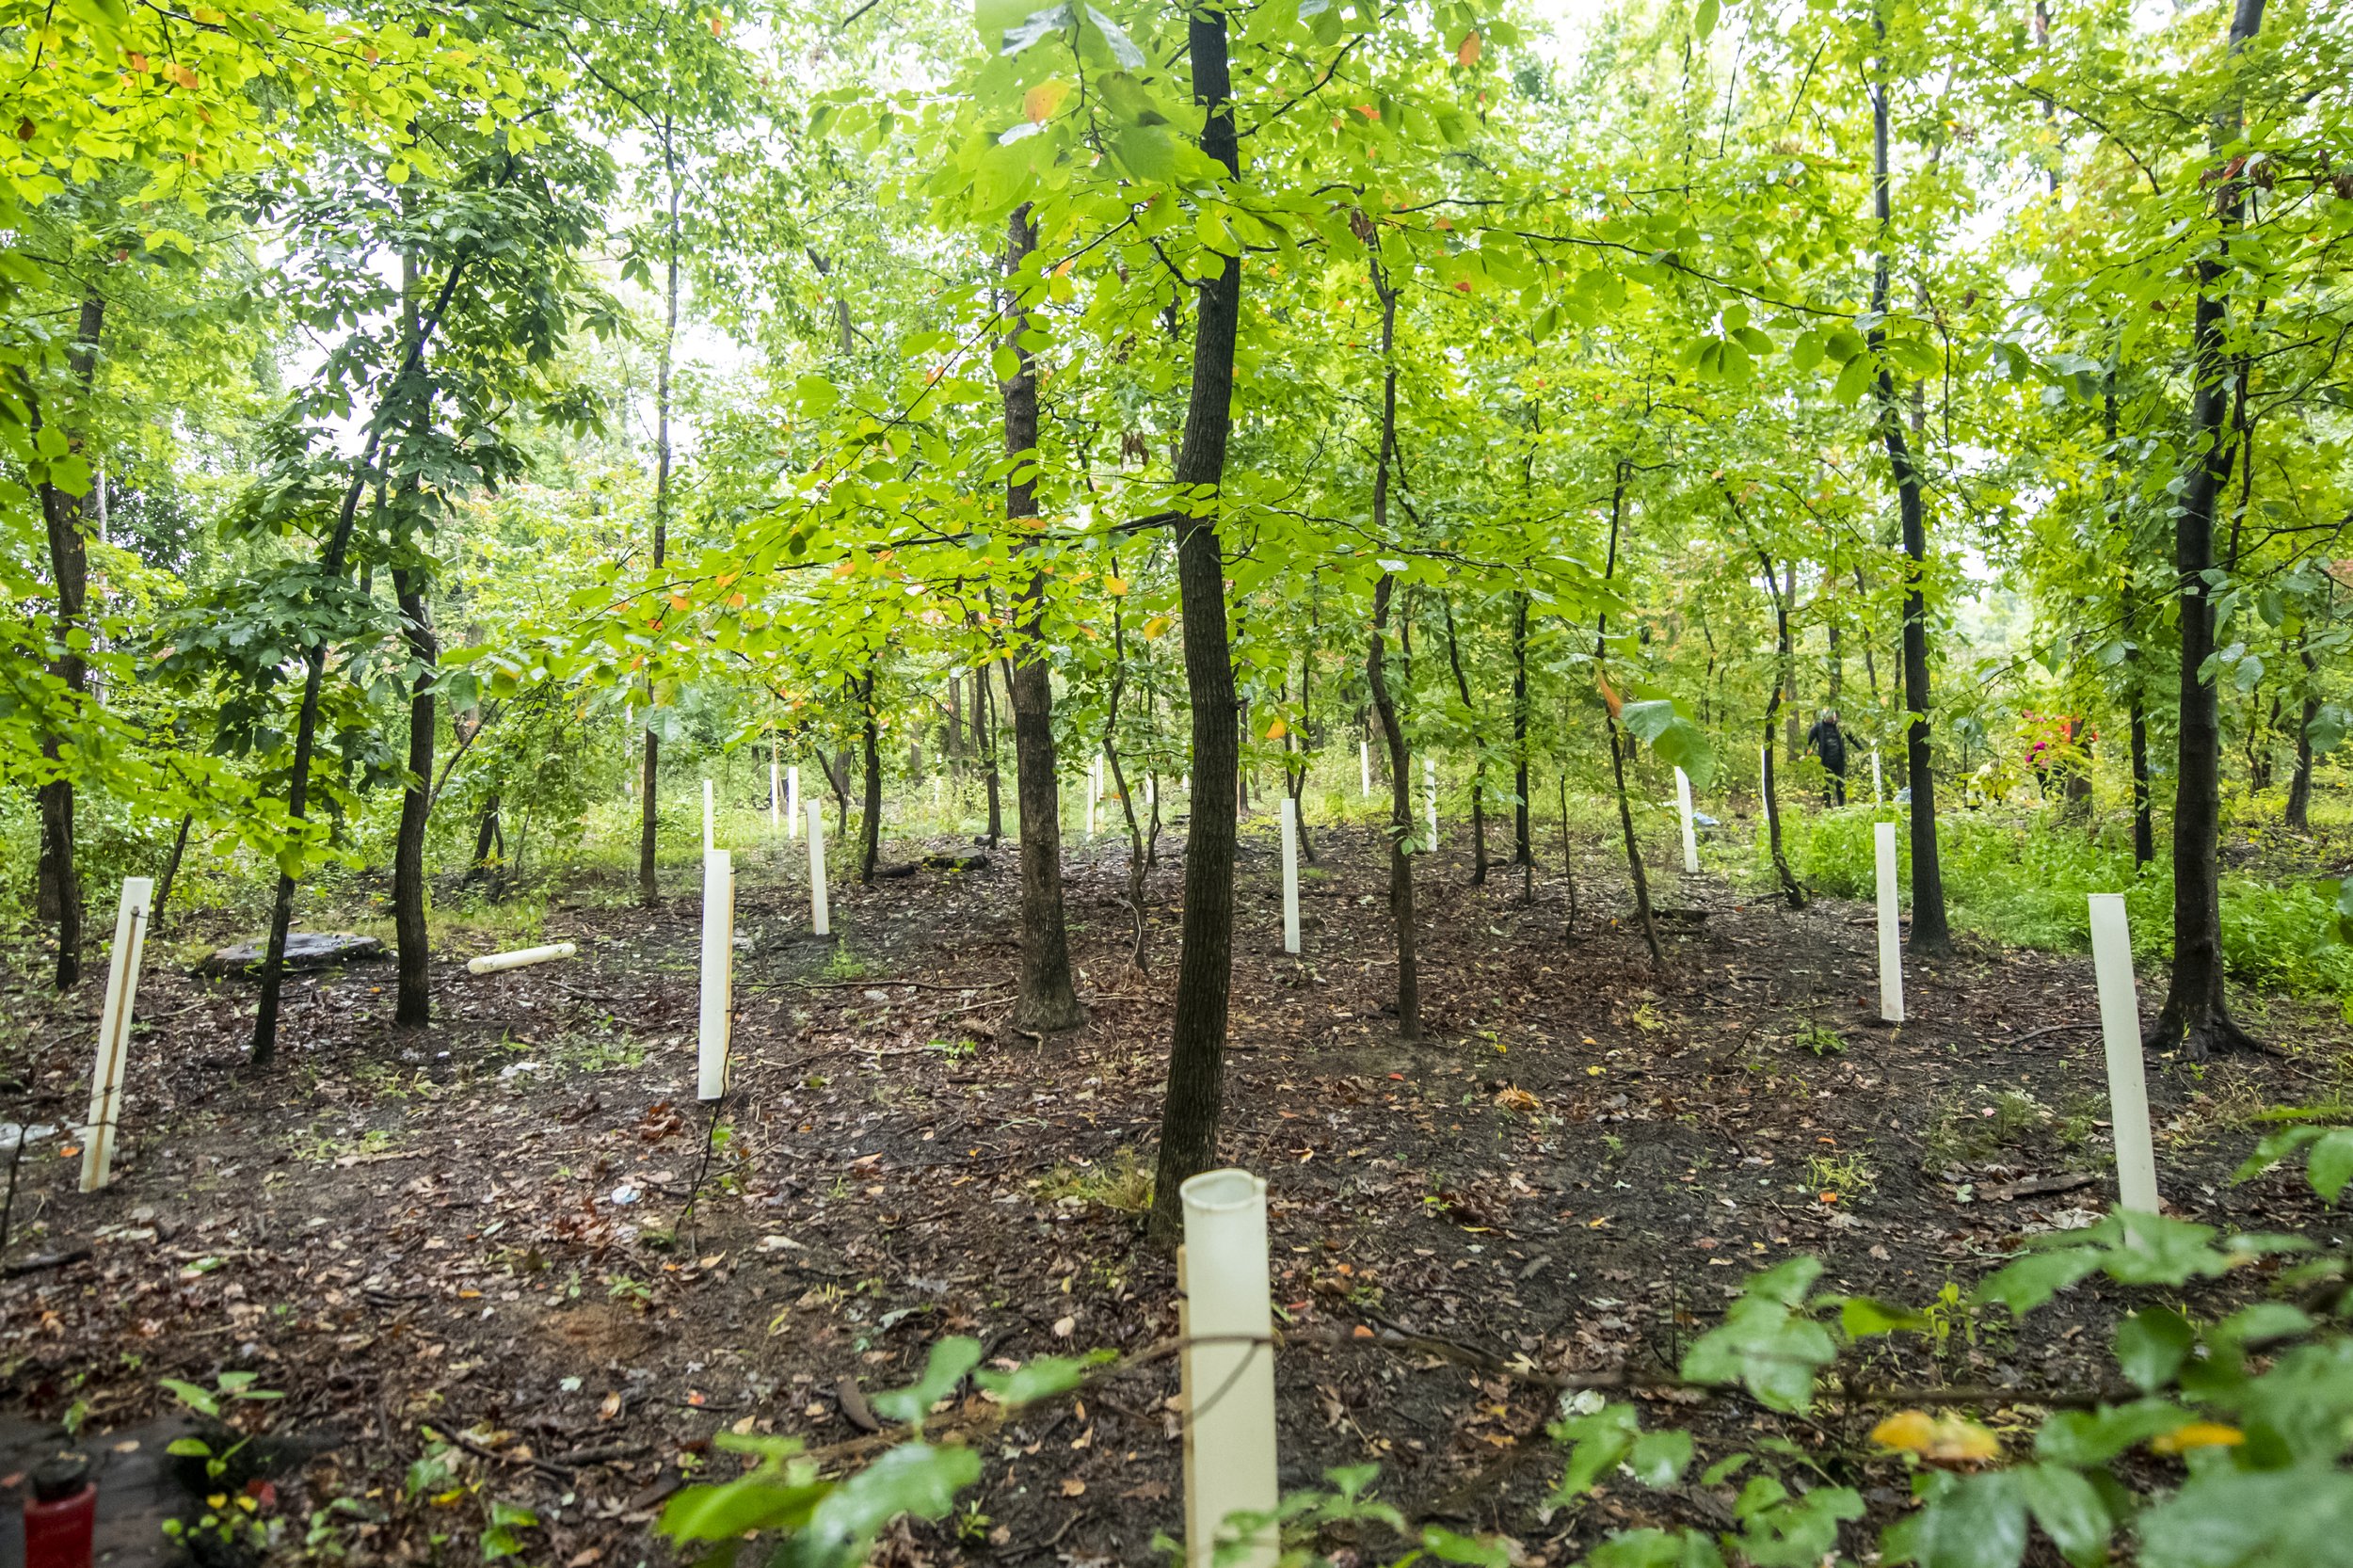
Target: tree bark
{"points": [[2195, 1012], [58, 896], [1047, 1000], [1190, 1114], [414, 1003], [1930, 936]]}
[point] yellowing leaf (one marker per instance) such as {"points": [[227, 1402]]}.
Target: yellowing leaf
{"points": [[1114, 586], [1041, 101], [2197, 1435], [1157, 625], [1277, 731], [1467, 54], [1938, 1439]]}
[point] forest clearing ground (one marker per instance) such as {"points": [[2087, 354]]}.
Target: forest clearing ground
{"points": [[478, 1228]]}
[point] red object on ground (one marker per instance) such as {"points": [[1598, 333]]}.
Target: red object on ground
{"points": [[61, 1516]]}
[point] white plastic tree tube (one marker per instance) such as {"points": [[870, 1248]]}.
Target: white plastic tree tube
{"points": [[1151, 791], [792, 803], [114, 1033], [1291, 875], [1879, 792], [819, 916], [1228, 1364], [1890, 934], [710, 821], [718, 976], [629, 752], [2120, 1025], [521, 958], [776, 796], [1691, 836], [1363, 767], [1430, 777]]}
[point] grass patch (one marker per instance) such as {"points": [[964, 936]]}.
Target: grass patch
{"points": [[1119, 1183]]}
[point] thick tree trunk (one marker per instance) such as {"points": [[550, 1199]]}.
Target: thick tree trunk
{"points": [[1197, 1056], [413, 1003], [2195, 1012], [1048, 1002], [58, 896], [1930, 936]]}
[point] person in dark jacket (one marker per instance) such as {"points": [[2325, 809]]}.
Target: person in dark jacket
{"points": [[1826, 740]]}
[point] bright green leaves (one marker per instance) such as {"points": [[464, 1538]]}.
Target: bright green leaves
{"points": [[1040, 1379], [1678, 739], [951, 1359], [1767, 1343]]}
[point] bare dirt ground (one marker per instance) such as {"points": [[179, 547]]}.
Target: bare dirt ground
{"points": [[477, 1240]]}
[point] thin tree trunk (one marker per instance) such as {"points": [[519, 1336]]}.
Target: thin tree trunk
{"points": [[1635, 872], [1193, 1108], [1523, 843], [1049, 1001], [1792, 893], [2195, 1012], [413, 1002], [984, 745], [1377, 683], [1479, 750], [1401, 809], [1136, 848], [2300, 783], [870, 736], [490, 842], [171, 872], [58, 896], [1930, 936], [649, 818], [332, 566]]}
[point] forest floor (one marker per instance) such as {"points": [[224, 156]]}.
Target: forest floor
{"points": [[477, 1231]]}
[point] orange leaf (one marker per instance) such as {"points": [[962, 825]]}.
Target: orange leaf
{"points": [[1467, 56], [1608, 694], [1277, 731]]}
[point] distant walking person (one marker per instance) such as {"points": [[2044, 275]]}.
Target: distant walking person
{"points": [[1826, 740]]}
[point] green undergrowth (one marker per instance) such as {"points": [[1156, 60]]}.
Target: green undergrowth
{"points": [[2020, 878]]}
